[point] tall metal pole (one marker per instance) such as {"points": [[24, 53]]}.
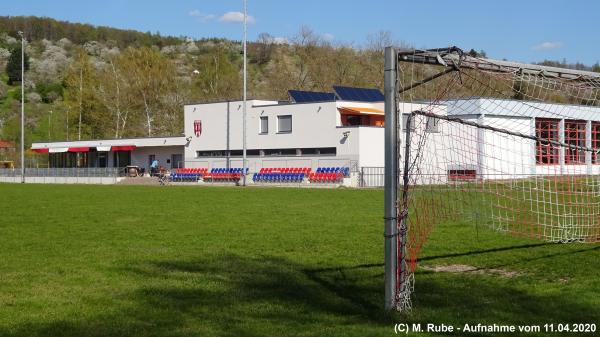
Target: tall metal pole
{"points": [[22, 107], [391, 177], [244, 164]]}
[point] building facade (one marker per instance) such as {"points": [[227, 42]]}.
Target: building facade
{"points": [[114, 152]]}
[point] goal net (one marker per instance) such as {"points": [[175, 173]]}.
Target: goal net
{"points": [[513, 147]]}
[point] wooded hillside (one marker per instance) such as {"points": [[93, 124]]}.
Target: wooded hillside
{"points": [[94, 82]]}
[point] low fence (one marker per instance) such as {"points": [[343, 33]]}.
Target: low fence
{"points": [[371, 177], [95, 175], [368, 177]]}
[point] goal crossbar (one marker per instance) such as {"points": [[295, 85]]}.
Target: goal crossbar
{"points": [[453, 56]]}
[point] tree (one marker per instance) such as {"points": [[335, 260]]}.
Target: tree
{"points": [[150, 76], [219, 76], [264, 48], [112, 93], [13, 68], [79, 92]]}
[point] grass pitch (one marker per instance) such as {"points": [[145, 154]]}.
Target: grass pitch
{"points": [[186, 261]]}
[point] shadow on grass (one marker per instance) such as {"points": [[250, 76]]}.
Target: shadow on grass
{"points": [[486, 251], [230, 295]]}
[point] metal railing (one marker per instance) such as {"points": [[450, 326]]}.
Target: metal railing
{"points": [[91, 175], [371, 177]]}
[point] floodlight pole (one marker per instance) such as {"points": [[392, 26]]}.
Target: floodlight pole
{"points": [[391, 177], [244, 164], [22, 107]]}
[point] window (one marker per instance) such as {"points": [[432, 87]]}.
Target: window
{"points": [[432, 125], [575, 135], [462, 174], [151, 159], [284, 124], [121, 158], [223, 153], [240, 153], [280, 152], [211, 154], [596, 142], [320, 151], [405, 121], [327, 151], [546, 154], [264, 124]]}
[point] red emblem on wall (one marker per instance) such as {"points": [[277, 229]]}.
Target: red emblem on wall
{"points": [[197, 128]]}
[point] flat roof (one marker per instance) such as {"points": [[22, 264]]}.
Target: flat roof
{"points": [[137, 142]]}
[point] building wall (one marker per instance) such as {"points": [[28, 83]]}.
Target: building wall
{"points": [[140, 156], [507, 156], [314, 125], [371, 147]]}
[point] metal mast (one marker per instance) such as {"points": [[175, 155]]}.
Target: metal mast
{"points": [[244, 164], [22, 107], [391, 178]]}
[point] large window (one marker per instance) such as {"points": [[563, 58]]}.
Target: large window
{"points": [[575, 136], [264, 124], [596, 142], [284, 124], [547, 154]]}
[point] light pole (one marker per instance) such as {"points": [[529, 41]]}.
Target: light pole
{"points": [[49, 125], [22, 106], [244, 164]]}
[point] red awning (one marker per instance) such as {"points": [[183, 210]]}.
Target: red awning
{"points": [[123, 148], [79, 149], [40, 150]]}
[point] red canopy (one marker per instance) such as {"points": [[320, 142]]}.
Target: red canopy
{"points": [[79, 149], [123, 148], [40, 150]]}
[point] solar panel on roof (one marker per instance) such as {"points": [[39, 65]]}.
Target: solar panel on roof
{"points": [[300, 96], [358, 94]]}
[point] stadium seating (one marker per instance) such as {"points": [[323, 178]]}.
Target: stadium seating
{"points": [[224, 174], [281, 174], [227, 170], [329, 175], [188, 174], [344, 170], [305, 170], [278, 177]]}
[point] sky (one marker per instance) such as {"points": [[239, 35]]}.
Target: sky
{"points": [[516, 30]]}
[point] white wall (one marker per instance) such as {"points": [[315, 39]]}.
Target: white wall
{"points": [[313, 126], [371, 146], [163, 154], [507, 156]]}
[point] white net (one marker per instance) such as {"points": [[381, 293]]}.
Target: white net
{"points": [[512, 147]]}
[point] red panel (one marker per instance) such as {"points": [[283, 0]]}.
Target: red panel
{"points": [[123, 148], [547, 154], [462, 174], [595, 142], [79, 149], [40, 150], [575, 135]]}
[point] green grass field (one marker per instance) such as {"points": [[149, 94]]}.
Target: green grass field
{"points": [[188, 261]]}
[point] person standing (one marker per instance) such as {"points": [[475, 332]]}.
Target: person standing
{"points": [[153, 167]]}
